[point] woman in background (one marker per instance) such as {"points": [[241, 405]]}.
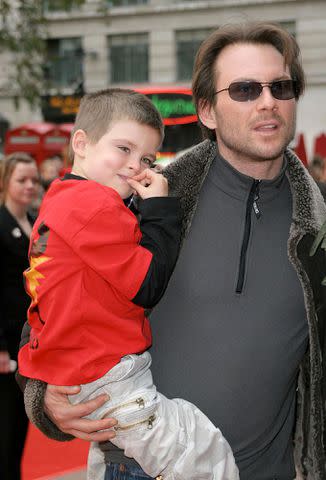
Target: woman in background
{"points": [[19, 188]]}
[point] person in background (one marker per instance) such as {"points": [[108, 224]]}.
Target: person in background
{"points": [[19, 187], [49, 170], [317, 169], [241, 329], [67, 156]]}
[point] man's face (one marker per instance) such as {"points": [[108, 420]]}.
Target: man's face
{"points": [[257, 130]]}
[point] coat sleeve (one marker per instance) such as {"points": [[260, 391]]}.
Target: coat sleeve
{"points": [[160, 225], [34, 405], [34, 391]]}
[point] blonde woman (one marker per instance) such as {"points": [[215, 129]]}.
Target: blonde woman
{"points": [[19, 188]]}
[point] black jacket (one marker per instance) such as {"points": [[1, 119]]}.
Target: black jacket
{"points": [[13, 299]]}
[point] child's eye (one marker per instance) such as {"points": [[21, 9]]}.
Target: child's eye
{"points": [[124, 149], [147, 161]]}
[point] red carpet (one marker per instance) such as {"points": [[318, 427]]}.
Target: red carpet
{"points": [[44, 457]]}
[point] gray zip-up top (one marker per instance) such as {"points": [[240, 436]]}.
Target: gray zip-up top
{"points": [[233, 321]]}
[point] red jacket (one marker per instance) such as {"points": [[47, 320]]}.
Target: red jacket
{"points": [[86, 265]]}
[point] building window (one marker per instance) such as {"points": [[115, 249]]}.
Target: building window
{"points": [[122, 3], [188, 42], [128, 58], [64, 66], [59, 5]]}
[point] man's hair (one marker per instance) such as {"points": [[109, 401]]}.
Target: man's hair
{"points": [[97, 112], [259, 33], [7, 166]]}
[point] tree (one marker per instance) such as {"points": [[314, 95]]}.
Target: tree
{"points": [[23, 34]]}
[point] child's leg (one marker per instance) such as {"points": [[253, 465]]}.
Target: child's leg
{"points": [[182, 444], [166, 437]]}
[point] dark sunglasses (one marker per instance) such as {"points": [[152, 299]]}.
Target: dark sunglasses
{"points": [[248, 90]]}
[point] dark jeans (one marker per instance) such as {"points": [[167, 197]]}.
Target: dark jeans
{"points": [[119, 471]]}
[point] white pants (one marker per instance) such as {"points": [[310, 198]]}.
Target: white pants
{"points": [[170, 439]]}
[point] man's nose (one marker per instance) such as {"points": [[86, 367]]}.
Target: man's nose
{"points": [[266, 100]]}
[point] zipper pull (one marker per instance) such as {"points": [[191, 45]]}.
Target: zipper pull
{"points": [[255, 204], [150, 422], [140, 402], [256, 210]]}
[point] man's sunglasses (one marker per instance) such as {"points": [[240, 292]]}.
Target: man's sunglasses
{"points": [[248, 90]]}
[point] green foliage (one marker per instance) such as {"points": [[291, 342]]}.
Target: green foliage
{"points": [[23, 33]]}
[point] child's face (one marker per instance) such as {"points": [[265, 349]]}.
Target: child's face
{"points": [[125, 150]]}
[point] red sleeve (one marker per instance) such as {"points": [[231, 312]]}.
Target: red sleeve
{"points": [[109, 244]]}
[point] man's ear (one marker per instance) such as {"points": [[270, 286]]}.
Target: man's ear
{"points": [[79, 142], [206, 115]]}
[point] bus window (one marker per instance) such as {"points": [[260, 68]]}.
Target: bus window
{"points": [[181, 137], [179, 116]]}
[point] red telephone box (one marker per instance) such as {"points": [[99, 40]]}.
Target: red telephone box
{"points": [[39, 139], [55, 140], [66, 128]]}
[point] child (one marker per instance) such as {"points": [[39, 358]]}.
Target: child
{"points": [[93, 271]]}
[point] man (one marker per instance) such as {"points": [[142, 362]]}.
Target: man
{"points": [[241, 329]]}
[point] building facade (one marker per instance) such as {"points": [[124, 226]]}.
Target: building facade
{"points": [[153, 42]]}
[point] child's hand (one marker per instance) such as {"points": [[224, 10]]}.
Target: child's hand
{"points": [[149, 184]]}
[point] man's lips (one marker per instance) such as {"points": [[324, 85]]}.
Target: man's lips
{"points": [[267, 126]]}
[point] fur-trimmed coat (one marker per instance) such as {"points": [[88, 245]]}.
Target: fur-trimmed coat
{"points": [[186, 177]]}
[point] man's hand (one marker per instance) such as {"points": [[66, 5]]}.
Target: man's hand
{"points": [[149, 184], [68, 417], [4, 362]]}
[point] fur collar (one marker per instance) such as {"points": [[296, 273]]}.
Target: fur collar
{"points": [[187, 174]]}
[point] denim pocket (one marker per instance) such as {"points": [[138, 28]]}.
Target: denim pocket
{"points": [[119, 471]]}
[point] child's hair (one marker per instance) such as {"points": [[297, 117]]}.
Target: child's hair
{"points": [[98, 110], [7, 166]]}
